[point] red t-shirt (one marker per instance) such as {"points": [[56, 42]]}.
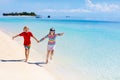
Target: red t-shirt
{"points": [[26, 36]]}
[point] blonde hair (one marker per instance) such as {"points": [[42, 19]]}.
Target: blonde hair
{"points": [[25, 27]]}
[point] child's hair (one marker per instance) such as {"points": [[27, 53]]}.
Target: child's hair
{"points": [[52, 29], [25, 27]]}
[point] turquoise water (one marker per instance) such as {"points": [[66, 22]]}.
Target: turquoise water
{"points": [[89, 50]]}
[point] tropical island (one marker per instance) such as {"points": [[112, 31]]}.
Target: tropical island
{"points": [[19, 14]]}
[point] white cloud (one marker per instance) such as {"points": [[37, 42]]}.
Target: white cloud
{"points": [[78, 10], [104, 7], [66, 10], [90, 7]]}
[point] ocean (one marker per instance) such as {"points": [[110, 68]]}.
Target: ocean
{"points": [[88, 50]]}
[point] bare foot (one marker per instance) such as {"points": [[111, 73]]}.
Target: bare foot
{"points": [[51, 58], [46, 61], [25, 61]]}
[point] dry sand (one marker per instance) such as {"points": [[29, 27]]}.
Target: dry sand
{"points": [[12, 65]]}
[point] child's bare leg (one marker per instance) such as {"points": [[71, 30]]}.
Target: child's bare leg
{"points": [[27, 54], [48, 52], [52, 52]]}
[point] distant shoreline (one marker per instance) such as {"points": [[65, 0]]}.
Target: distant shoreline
{"points": [[64, 19], [19, 14]]}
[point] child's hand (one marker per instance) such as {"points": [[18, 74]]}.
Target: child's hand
{"points": [[38, 41], [13, 38], [62, 34]]}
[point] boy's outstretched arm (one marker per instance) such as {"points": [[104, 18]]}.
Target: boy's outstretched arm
{"points": [[15, 36], [36, 39]]}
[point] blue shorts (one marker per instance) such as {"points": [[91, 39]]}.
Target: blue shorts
{"points": [[27, 47]]}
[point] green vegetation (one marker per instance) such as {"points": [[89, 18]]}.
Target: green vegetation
{"points": [[19, 14]]}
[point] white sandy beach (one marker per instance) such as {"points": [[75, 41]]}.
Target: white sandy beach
{"points": [[12, 65]]}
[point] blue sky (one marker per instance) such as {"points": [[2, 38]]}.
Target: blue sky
{"points": [[86, 9]]}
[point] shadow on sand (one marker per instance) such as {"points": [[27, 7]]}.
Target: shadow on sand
{"points": [[37, 63], [20, 60]]}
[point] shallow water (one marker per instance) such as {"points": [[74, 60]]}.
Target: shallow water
{"points": [[89, 50]]}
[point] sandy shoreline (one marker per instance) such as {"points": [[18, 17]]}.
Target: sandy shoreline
{"points": [[12, 65]]}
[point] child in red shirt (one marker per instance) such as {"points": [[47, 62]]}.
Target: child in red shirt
{"points": [[27, 42]]}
